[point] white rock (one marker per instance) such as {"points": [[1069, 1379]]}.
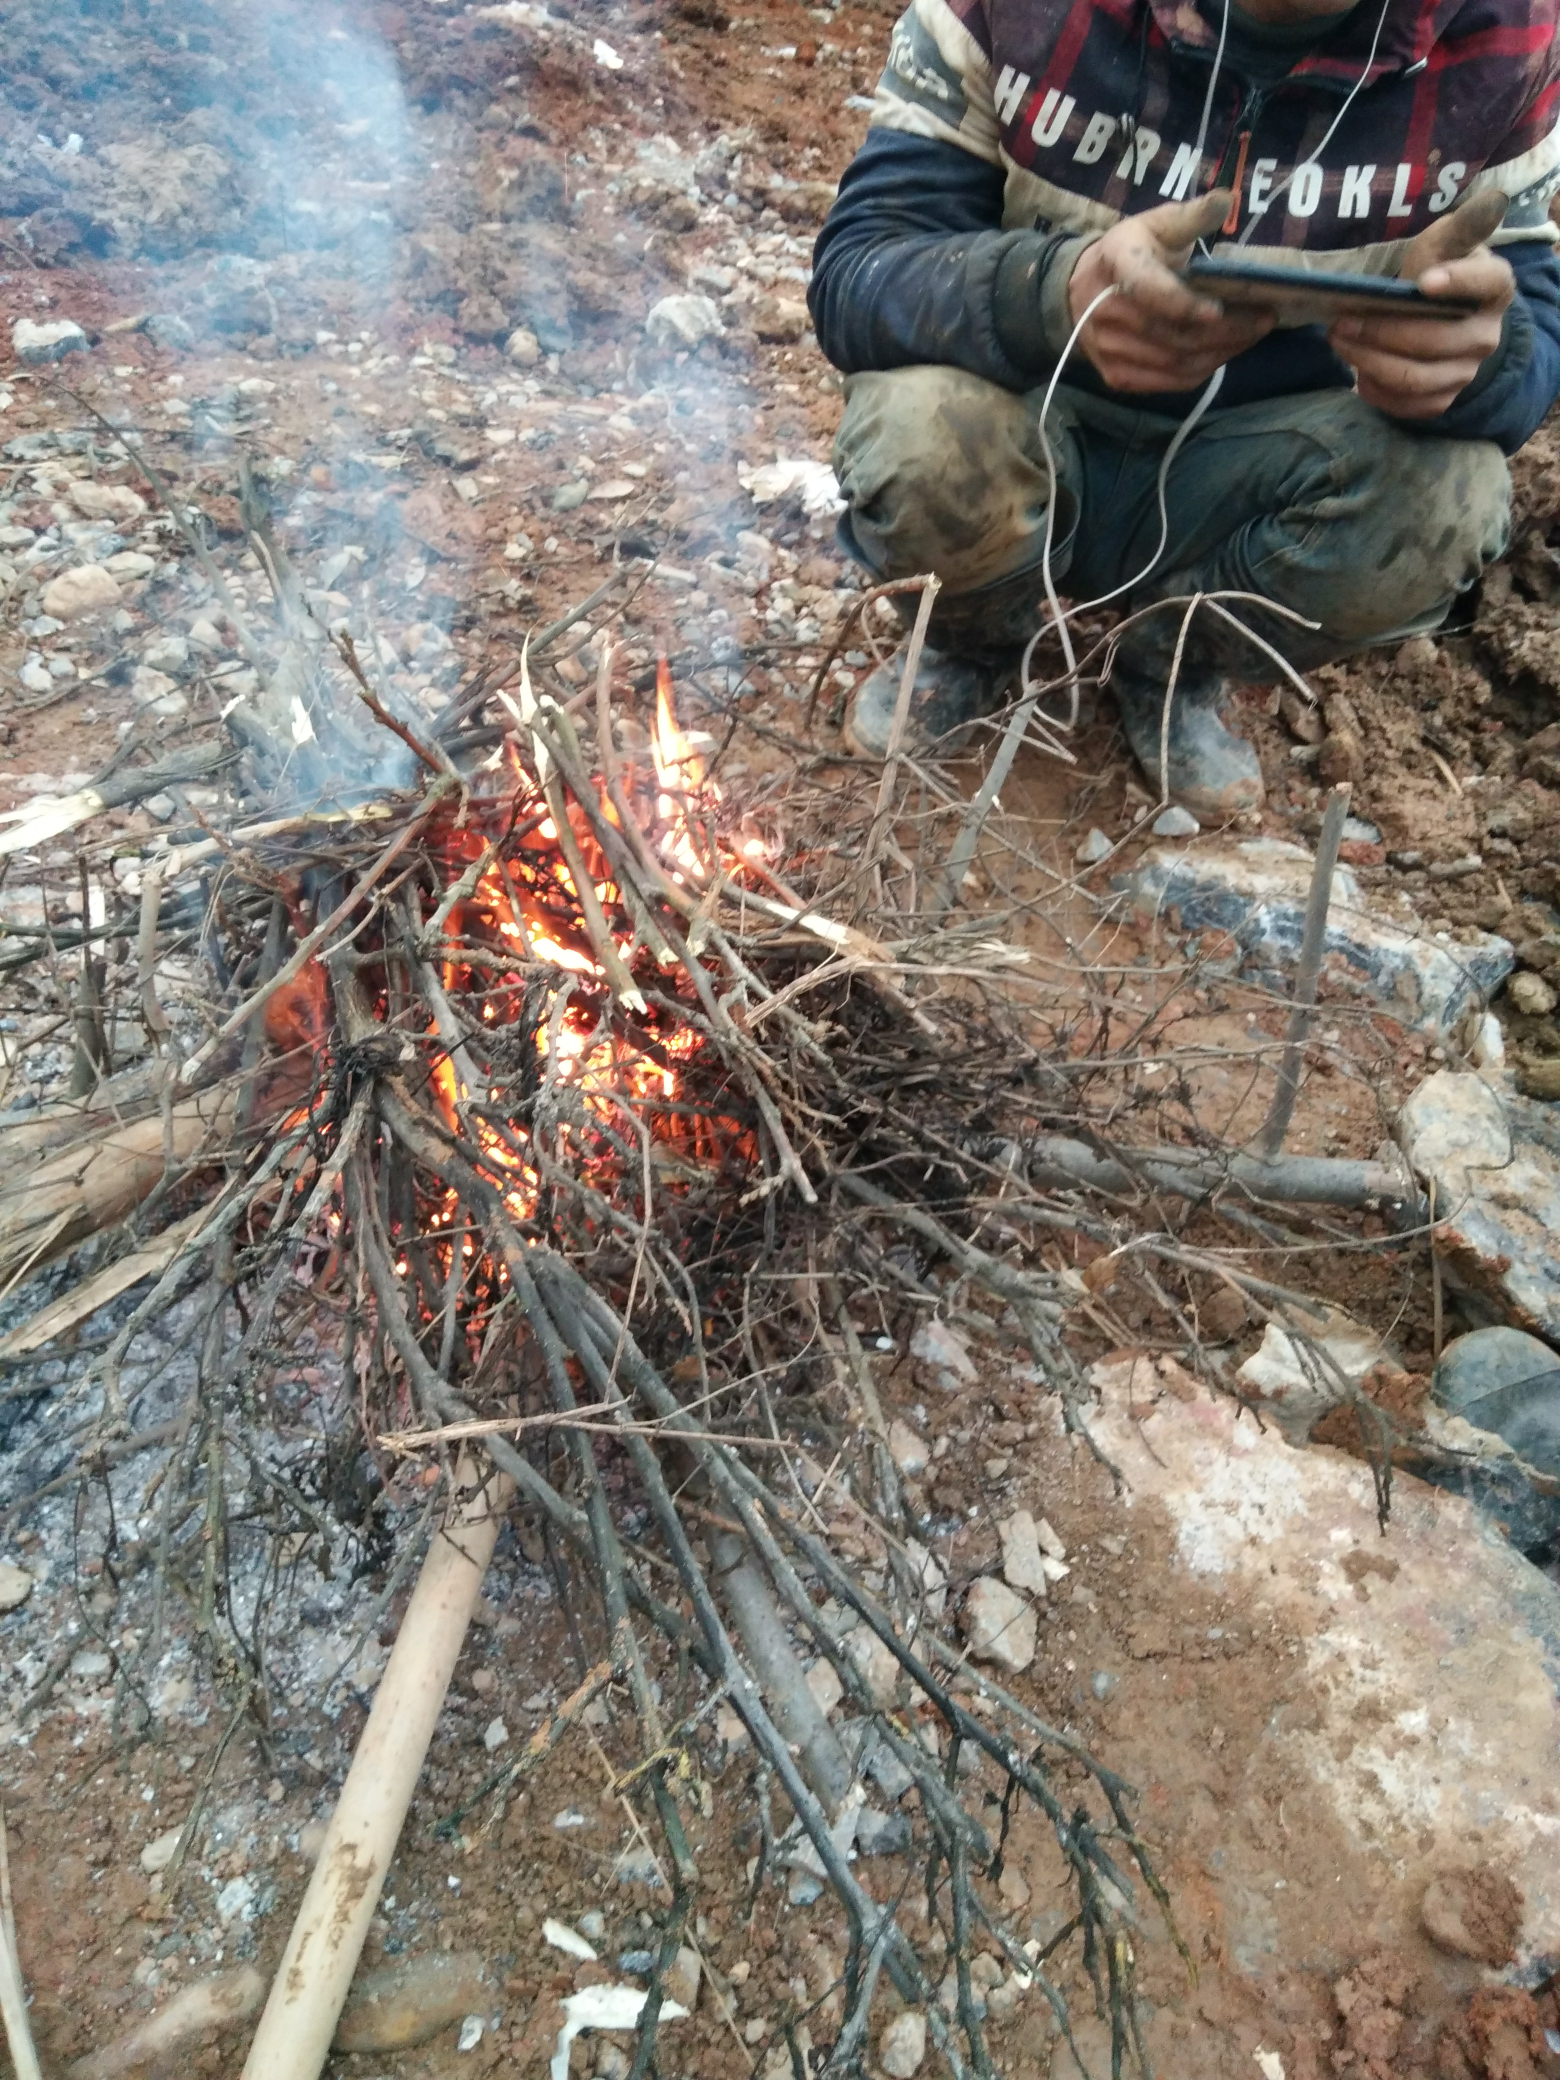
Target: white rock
{"points": [[945, 1354], [471, 2029], [522, 347], [236, 1900], [1021, 1566], [158, 1854], [1050, 1542], [74, 594], [495, 1736], [35, 676], [682, 1981], [823, 1680], [934, 1583], [564, 1938], [167, 654], [1298, 1384], [16, 1585], [683, 321], [107, 501], [876, 1664], [730, 1730], [36, 344], [205, 634], [90, 1666], [902, 2046], [999, 1625], [906, 1449], [1531, 995], [130, 564], [1095, 847], [1176, 822]]}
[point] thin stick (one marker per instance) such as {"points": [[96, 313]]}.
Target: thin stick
{"points": [[1312, 945], [13, 1988], [930, 587]]}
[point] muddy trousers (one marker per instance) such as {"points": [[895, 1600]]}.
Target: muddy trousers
{"points": [[1316, 502]]}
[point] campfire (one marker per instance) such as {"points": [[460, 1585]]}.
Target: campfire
{"points": [[550, 1104]]}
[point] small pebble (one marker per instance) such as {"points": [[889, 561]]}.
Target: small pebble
{"points": [[1095, 847], [593, 1924], [1102, 1683], [1531, 995], [495, 1736], [470, 2033], [1176, 822]]}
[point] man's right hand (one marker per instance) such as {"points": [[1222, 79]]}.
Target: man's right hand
{"points": [[1155, 333]]}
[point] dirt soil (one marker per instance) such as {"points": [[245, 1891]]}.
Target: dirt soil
{"points": [[403, 256]]}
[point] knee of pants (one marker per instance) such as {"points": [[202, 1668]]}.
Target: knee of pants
{"points": [[1438, 511], [938, 471]]}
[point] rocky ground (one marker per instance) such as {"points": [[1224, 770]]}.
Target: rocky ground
{"points": [[487, 295]]}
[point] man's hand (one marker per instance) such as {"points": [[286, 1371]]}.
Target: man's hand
{"points": [[1415, 368], [1155, 333]]}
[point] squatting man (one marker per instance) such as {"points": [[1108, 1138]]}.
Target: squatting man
{"points": [[1026, 156]]}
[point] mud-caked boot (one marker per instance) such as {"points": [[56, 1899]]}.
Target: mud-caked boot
{"points": [[1213, 771], [951, 694]]}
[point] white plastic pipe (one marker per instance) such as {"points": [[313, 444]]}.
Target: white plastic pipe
{"points": [[313, 1978]]}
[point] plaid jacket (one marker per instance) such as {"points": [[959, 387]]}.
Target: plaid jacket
{"points": [[1005, 131], [1092, 112]]}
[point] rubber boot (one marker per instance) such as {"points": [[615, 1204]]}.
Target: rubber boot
{"points": [[1212, 771], [950, 695]]}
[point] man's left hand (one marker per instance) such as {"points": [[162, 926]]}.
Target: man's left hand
{"points": [[1415, 368]]}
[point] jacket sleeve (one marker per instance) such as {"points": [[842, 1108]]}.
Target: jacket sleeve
{"points": [[1509, 398], [912, 267]]}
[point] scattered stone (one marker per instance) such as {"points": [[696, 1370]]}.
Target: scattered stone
{"points": [[1255, 892], [74, 594], [568, 498], [782, 320], [236, 1900], [999, 1625], [168, 329], [1021, 1566], [682, 1981], [683, 321], [167, 654], [495, 1735], [902, 2046], [471, 2029], [205, 635], [1531, 995], [400, 2005], [593, 1925], [730, 1730], [1473, 1913], [90, 1666], [36, 344], [107, 501], [945, 1356], [637, 1866], [1176, 822], [16, 1585], [934, 1583], [130, 564], [823, 1680], [1356, 831], [1095, 847], [158, 1854], [1050, 1540], [876, 1664], [906, 1449], [522, 347], [211, 2004], [1012, 1889], [882, 1834], [1299, 1386], [1104, 1684]]}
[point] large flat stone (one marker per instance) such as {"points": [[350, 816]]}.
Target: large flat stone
{"points": [[1255, 891], [1430, 1658]]}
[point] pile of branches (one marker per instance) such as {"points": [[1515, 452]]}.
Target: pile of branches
{"points": [[548, 1104]]}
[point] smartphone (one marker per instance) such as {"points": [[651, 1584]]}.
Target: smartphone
{"points": [[1303, 298]]}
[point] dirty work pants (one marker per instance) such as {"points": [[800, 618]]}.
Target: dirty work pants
{"points": [[1316, 502]]}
